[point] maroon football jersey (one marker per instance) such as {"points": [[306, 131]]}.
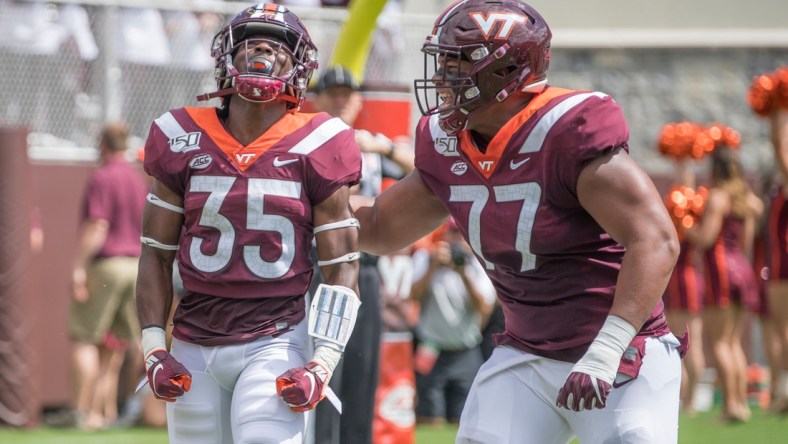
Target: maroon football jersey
{"points": [[247, 231], [553, 266]]}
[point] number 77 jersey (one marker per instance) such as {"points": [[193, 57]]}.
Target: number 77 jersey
{"points": [[553, 266], [247, 229]]}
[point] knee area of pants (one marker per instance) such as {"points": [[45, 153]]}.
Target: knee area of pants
{"points": [[632, 435], [266, 435], [194, 424]]}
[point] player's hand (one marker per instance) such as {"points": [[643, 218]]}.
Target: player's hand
{"points": [[302, 388], [591, 379], [167, 377], [583, 392]]}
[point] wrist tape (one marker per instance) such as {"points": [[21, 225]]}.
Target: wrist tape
{"points": [[153, 338], [604, 354]]}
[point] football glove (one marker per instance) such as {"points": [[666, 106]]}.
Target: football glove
{"points": [[167, 377], [591, 379], [583, 392], [302, 388]]}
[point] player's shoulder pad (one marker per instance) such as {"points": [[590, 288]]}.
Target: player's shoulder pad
{"points": [[589, 120], [317, 130]]}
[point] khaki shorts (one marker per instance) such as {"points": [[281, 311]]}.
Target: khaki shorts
{"points": [[111, 306]]}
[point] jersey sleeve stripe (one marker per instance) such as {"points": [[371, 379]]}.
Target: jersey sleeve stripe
{"points": [[320, 135], [169, 126], [537, 136]]}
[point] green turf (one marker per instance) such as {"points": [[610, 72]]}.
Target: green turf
{"points": [[705, 428]]}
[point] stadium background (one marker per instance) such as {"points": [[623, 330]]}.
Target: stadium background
{"points": [[68, 66]]}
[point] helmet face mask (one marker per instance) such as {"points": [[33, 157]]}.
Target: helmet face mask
{"points": [[448, 87], [262, 75], [474, 59]]}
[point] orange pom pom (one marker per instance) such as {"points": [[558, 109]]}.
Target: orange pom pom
{"points": [[678, 139], [685, 206], [769, 91], [721, 135]]}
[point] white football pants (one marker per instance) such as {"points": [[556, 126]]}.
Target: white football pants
{"points": [[233, 396], [512, 400]]}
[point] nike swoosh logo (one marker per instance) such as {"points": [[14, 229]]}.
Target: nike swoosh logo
{"points": [[156, 369], [279, 163], [311, 386], [514, 165]]}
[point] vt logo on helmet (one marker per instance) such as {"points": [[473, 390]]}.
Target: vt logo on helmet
{"points": [[479, 53], [265, 53]]}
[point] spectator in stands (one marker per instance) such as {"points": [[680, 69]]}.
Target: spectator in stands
{"points": [[456, 298], [102, 316], [356, 379], [725, 235]]}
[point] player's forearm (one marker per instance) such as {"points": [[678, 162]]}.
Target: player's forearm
{"points": [[154, 288], [345, 274], [369, 239], [400, 216], [645, 271]]}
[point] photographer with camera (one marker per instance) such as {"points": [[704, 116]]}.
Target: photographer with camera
{"points": [[456, 298]]}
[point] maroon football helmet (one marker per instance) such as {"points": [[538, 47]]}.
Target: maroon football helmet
{"points": [[506, 43], [259, 79]]}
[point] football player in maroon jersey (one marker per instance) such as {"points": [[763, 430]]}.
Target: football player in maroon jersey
{"points": [[239, 193], [572, 232]]}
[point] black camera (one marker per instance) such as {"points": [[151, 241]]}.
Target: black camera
{"points": [[458, 255]]}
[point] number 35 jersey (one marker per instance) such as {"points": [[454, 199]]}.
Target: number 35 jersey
{"points": [[245, 245], [553, 266]]}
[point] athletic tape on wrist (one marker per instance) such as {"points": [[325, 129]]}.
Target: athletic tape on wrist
{"points": [[153, 338], [604, 354], [327, 356]]}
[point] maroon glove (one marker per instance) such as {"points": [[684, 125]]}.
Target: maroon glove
{"points": [[302, 387], [583, 392], [167, 377]]}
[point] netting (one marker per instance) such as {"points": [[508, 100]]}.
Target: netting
{"points": [[67, 67]]}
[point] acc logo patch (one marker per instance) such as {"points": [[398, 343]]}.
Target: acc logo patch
{"points": [[200, 161], [459, 168], [185, 142]]}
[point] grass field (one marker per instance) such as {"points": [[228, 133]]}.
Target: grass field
{"points": [[705, 428]]}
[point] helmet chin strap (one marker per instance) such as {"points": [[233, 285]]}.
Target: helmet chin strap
{"points": [[453, 127], [253, 89]]}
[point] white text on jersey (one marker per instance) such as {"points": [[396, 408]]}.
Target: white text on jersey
{"points": [[486, 165], [244, 158]]}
